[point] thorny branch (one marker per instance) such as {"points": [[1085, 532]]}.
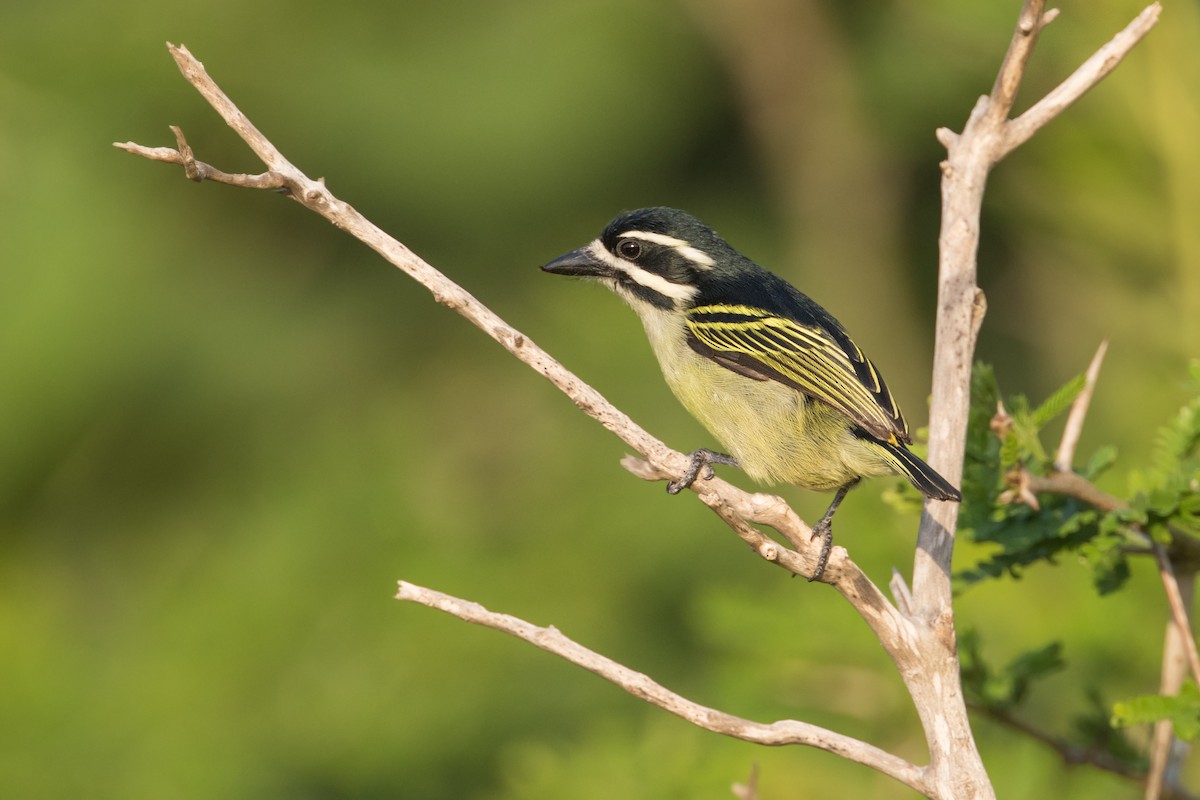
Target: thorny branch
{"points": [[1065, 457], [1180, 647], [1026, 487]]}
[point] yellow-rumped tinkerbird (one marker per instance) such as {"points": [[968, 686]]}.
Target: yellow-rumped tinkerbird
{"points": [[772, 375]]}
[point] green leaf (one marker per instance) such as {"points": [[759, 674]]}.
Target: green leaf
{"points": [[1058, 402], [1032, 665], [1105, 554], [1006, 688], [1100, 462], [1178, 442], [1183, 710], [1094, 727], [1163, 502]]}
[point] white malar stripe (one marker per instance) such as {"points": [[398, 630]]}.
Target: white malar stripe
{"points": [[698, 257], [676, 291]]}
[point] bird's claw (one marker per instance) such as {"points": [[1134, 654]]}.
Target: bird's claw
{"points": [[824, 530], [702, 459]]}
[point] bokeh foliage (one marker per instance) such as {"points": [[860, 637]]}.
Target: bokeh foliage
{"points": [[227, 429], [1017, 504]]}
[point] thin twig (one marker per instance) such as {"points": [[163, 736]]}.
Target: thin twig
{"points": [[315, 195], [1076, 755], [199, 171], [1166, 750], [1070, 753], [749, 789], [1179, 611], [1065, 456], [1070, 484], [1012, 69], [1090, 73], [782, 732]]}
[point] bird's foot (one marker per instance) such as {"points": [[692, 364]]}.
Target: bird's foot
{"points": [[823, 529], [702, 459]]}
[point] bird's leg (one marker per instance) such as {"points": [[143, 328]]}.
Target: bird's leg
{"points": [[824, 528], [702, 459]]}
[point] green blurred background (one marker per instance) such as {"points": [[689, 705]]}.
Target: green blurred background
{"points": [[227, 428]]}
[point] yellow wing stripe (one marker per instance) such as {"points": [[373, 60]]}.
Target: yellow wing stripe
{"points": [[807, 356]]}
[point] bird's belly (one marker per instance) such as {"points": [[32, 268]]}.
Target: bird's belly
{"points": [[777, 434]]}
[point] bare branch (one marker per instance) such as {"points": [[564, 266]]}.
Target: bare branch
{"points": [[314, 195], [198, 171], [782, 732], [198, 77], [1091, 72], [1065, 456], [1070, 484], [1012, 69]]}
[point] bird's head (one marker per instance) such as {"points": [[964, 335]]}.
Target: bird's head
{"points": [[656, 258]]}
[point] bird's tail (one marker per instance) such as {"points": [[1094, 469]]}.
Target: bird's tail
{"points": [[920, 474]]}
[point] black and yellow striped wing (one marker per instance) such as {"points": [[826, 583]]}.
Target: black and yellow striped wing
{"points": [[814, 356]]}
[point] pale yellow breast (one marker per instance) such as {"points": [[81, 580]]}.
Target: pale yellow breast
{"points": [[776, 433]]}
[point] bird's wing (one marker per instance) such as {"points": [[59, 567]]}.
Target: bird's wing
{"points": [[766, 346]]}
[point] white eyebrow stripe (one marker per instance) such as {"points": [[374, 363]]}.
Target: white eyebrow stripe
{"points": [[698, 257], [676, 291], [600, 252]]}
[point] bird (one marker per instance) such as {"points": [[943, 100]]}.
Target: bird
{"points": [[772, 375]]}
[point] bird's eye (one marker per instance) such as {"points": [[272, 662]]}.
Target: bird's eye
{"points": [[629, 249]]}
